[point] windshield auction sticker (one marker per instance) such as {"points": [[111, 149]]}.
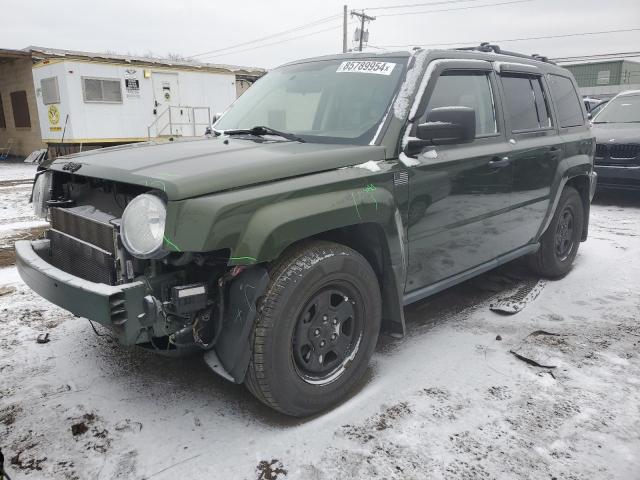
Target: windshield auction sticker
{"points": [[366, 66]]}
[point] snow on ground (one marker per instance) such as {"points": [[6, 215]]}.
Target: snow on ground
{"points": [[15, 189], [16, 213], [448, 401], [17, 171]]}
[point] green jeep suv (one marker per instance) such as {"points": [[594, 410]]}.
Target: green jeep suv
{"points": [[331, 194]]}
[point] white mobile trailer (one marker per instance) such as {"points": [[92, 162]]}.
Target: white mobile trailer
{"points": [[89, 102]]}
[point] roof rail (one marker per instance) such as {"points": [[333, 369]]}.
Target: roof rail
{"points": [[490, 48]]}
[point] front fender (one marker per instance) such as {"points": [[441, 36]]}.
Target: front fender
{"points": [[257, 223], [272, 228]]}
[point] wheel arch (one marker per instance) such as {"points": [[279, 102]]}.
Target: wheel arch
{"points": [[372, 242], [582, 183], [582, 180]]}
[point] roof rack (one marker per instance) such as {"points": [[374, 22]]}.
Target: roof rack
{"points": [[490, 48]]}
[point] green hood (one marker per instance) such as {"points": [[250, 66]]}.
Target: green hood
{"points": [[190, 168]]}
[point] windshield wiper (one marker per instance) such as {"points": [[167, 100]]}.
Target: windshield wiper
{"points": [[262, 130]]}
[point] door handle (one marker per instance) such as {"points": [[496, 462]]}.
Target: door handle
{"points": [[499, 162]]}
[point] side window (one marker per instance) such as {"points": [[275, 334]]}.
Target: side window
{"points": [[542, 103], [20, 107], [526, 104], [466, 89], [3, 123], [567, 101]]}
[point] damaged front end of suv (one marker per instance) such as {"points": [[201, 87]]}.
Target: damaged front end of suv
{"points": [[107, 257]]}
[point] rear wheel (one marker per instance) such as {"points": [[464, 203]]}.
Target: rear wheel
{"points": [[559, 244], [317, 328]]}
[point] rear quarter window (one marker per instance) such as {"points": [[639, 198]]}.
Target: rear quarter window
{"points": [[567, 101]]}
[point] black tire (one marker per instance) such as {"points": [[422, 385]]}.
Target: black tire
{"points": [[559, 244], [302, 283]]}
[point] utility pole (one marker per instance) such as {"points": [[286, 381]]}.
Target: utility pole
{"points": [[363, 17], [344, 30]]}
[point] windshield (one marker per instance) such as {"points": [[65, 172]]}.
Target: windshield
{"points": [[624, 109], [331, 101]]}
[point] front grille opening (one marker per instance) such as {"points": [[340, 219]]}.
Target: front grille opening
{"points": [[617, 154]]}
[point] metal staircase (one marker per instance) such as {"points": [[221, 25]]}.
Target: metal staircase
{"points": [[180, 121]]}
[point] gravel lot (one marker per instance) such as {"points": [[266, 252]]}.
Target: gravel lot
{"points": [[447, 401]]}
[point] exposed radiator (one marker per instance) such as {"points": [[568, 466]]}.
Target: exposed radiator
{"points": [[82, 246], [76, 222]]}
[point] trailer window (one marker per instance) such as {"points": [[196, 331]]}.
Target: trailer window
{"points": [[20, 107], [50, 90], [102, 90]]}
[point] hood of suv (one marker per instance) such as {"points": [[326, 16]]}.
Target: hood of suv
{"points": [[618, 133], [189, 168]]}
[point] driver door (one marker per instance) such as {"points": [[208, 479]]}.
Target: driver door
{"points": [[459, 194]]}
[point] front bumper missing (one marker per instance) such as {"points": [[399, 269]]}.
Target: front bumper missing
{"points": [[120, 307]]}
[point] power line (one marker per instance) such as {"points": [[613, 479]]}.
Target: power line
{"points": [[511, 39], [278, 42], [411, 5], [268, 37], [600, 56], [452, 9], [209, 54]]}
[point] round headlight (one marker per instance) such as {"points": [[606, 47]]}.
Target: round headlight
{"points": [[142, 226], [41, 194]]}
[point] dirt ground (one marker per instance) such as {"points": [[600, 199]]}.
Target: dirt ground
{"points": [[448, 401]]}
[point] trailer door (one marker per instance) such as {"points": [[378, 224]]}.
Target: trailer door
{"points": [[166, 93]]}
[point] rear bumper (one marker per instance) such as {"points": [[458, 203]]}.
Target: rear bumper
{"points": [[120, 308], [618, 177]]}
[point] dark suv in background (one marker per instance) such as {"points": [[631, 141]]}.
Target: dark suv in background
{"points": [[617, 131], [335, 191]]}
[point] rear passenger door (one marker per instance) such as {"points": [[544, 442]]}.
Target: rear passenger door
{"points": [[536, 148], [459, 194]]}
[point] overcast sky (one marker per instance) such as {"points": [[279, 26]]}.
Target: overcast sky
{"points": [[189, 27]]}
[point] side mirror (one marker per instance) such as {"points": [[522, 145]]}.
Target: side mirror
{"points": [[448, 125], [444, 126], [589, 116]]}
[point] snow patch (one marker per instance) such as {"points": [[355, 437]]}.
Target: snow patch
{"points": [[17, 171], [23, 225], [408, 161], [9, 276], [433, 153], [401, 104], [371, 165]]}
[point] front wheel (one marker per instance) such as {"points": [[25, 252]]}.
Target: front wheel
{"points": [[317, 328], [559, 244]]}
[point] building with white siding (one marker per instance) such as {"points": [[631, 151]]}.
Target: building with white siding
{"points": [[80, 100]]}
